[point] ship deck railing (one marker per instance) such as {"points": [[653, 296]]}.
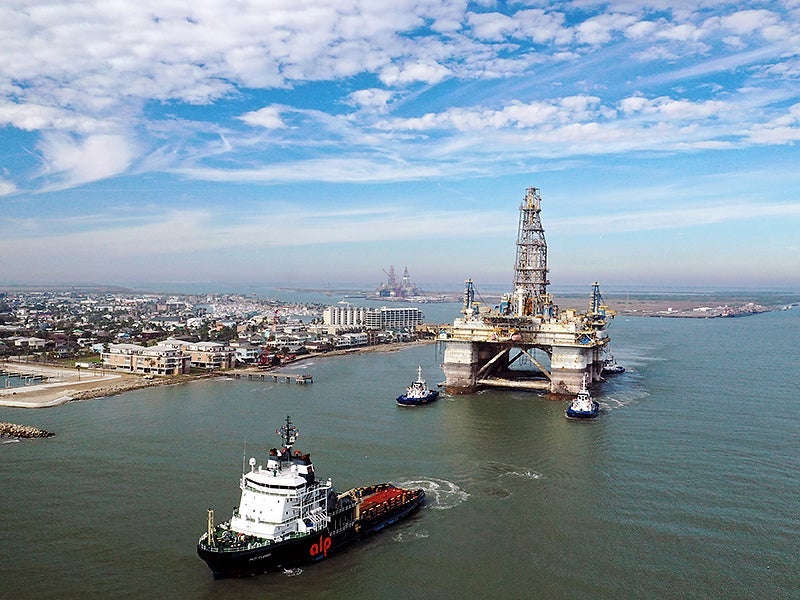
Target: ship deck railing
{"points": [[236, 545]]}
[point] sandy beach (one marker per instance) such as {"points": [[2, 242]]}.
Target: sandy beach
{"points": [[65, 385]]}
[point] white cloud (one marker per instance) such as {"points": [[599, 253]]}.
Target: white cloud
{"points": [[673, 110], [371, 99], [491, 26], [78, 161], [6, 188], [268, 117], [171, 233], [347, 169], [784, 129], [35, 117], [600, 29], [748, 21], [410, 72], [543, 27]]}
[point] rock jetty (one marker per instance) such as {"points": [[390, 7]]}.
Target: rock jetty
{"points": [[23, 431]]}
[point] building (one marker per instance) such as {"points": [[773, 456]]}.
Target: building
{"points": [[146, 360], [344, 316], [351, 340], [393, 319], [337, 318], [211, 355], [206, 355]]}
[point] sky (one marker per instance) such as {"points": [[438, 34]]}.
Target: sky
{"points": [[318, 143]]}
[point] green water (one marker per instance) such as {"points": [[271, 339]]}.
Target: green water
{"points": [[686, 487]]}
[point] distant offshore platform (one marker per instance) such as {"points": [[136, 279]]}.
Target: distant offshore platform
{"points": [[482, 346], [398, 289]]}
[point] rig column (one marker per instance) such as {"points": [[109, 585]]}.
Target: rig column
{"points": [[462, 360]]}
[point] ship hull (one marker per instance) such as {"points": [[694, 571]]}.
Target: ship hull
{"points": [[406, 401], [583, 414], [301, 550]]}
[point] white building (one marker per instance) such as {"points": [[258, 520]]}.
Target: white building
{"points": [[383, 318], [344, 316], [153, 360], [351, 340]]}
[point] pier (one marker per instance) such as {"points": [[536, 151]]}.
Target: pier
{"points": [[24, 378], [486, 347], [301, 378]]}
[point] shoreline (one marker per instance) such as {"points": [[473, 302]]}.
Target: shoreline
{"points": [[73, 387]]}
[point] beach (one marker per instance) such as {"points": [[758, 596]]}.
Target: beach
{"points": [[65, 385]]}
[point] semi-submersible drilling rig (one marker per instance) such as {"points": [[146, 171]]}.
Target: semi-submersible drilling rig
{"points": [[482, 346]]}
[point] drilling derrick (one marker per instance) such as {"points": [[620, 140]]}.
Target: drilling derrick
{"points": [[484, 347], [530, 269]]}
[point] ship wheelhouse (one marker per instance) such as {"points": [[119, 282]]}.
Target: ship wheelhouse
{"points": [[281, 500]]}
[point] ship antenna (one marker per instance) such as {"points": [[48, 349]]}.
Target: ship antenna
{"points": [[288, 435]]}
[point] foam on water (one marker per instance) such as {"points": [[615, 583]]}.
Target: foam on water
{"points": [[440, 493]]}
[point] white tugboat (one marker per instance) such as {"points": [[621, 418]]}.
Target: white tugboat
{"points": [[582, 406], [287, 517], [611, 367], [418, 392]]}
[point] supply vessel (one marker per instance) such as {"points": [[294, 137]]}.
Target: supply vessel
{"points": [[287, 517]]}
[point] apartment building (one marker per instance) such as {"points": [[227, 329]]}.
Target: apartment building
{"points": [[383, 318], [206, 355], [393, 319], [146, 360]]}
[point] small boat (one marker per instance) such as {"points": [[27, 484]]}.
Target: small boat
{"points": [[610, 366], [288, 517], [582, 406], [417, 393]]}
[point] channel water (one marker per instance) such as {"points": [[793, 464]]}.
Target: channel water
{"points": [[685, 487]]}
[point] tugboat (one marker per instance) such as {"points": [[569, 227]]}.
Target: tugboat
{"points": [[418, 392], [610, 366], [287, 517], [582, 406]]}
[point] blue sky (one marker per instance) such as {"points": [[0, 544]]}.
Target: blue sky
{"points": [[318, 142]]}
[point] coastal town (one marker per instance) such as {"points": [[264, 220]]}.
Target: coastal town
{"points": [[99, 342]]}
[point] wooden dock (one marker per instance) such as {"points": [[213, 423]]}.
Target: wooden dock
{"points": [[277, 376]]}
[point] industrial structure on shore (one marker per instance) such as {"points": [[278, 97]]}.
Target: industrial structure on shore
{"points": [[487, 346]]}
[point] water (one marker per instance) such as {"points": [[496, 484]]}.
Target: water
{"points": [[9, 381], [686, 487]]}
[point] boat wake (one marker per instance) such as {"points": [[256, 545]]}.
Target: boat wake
{"points": [[440, 493], [410, 536], [524, 474], [622, 399], [292, 572]]}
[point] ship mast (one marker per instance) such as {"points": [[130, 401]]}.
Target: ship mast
{"points": [[288, 433]]}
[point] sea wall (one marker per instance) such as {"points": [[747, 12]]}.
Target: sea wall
{"points": [[23, 431]]}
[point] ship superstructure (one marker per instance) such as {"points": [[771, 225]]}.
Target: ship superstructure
{"points": [[482, 347]]}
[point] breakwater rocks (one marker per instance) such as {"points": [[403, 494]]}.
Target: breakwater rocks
{"points": [[23, 431]]}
